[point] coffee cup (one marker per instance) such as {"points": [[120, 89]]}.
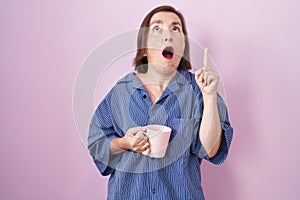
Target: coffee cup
{"points": [[159, 137]]}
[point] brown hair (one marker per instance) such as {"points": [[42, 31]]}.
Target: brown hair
{"points": [[140, 61]]}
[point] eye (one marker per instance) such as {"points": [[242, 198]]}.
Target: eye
{"points": [[175, 29], [156, 29]]}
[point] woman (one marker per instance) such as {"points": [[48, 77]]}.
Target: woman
{"points": [[164, 92]]}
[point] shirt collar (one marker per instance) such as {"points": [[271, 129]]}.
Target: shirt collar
{"points": [[181, 78]]}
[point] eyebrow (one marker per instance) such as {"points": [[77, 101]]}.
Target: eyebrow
{"points": [[161, 22]]}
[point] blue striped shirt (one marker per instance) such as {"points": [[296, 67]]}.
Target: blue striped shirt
{"points": [[136, 176]]}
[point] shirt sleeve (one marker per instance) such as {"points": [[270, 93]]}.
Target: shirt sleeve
{"points": [[101, 132], [227, 133]]}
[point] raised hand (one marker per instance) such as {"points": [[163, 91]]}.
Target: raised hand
{"points": [[206, 78]]}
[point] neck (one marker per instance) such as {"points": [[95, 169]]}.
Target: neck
{"points": [[157, 77]]}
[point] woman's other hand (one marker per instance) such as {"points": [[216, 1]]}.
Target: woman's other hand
{"points": [[206, 78]]}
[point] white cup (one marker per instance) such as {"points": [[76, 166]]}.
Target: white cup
{"points": [[159, 137]]}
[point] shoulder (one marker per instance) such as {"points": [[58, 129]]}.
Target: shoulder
{"points": [[121, 84], [126, 79]]}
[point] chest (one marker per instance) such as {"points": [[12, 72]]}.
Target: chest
{"points": [[134, 107]]}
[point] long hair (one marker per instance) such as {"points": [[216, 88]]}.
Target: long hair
{"points": [[140, 61]]}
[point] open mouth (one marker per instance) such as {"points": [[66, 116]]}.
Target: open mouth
{"points": [[168, 52]]}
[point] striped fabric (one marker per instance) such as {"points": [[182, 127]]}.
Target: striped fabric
{"points": [[135, 176]]}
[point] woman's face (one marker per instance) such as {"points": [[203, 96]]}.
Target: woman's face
{"points": [[165, 42]]}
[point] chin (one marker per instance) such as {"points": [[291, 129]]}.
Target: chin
{"points": [[171, 64], [169, 67]]}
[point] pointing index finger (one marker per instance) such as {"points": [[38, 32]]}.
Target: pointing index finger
{"points": [[205, 57]]}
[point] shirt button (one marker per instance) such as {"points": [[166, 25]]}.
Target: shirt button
{"points": [[144, 96]]}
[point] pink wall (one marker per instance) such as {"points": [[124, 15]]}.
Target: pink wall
{"points": [[255, 45]]}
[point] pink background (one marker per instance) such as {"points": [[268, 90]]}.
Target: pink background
{"points": [[255, 45]]}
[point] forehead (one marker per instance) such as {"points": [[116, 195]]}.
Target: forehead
{"points": [[165, 17]]}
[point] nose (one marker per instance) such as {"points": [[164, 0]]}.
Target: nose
{"points": [[167, 36]]}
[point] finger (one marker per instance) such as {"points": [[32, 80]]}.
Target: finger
{"points": [[202, 76], [140, 134], [142, 142], [205, 76], [141, 149], [212, 86], [205, 57], [135, 130], [146, 152], [145, 147], [198, 75], [198, 72], [210, 78]]}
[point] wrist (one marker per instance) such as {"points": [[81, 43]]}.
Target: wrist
{"points": [[118, 143], [210, 98], [123, 143]]}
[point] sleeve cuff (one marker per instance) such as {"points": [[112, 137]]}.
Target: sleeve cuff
{"points": [[99, 147], [222, 153]]}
